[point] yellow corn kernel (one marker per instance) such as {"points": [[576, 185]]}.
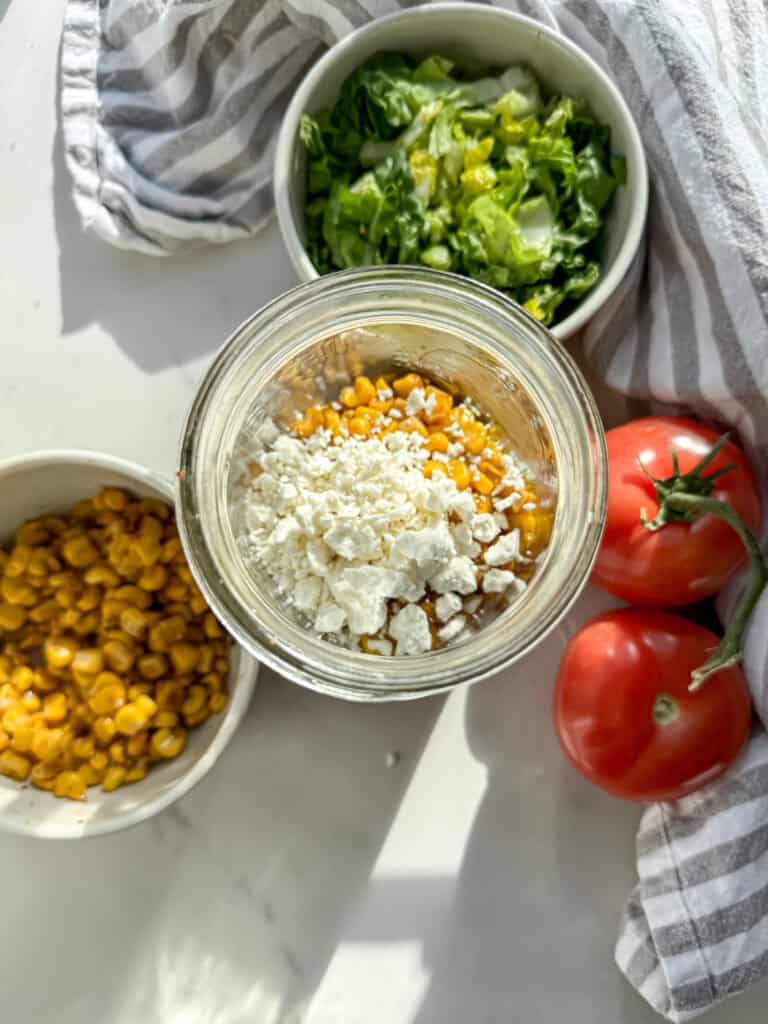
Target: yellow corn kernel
{"points": [[137, 744], [99, 761], [431, 467], [117, 752], [475, 438], [212, 629], [32, 533], [133, 717], [198, 718], [382, 383], [360, 426], [215, 680], [79, 552], [222, 667], [86, 624], [45, 612], [175, 590], [41, 562], [101, 576], [4, 740], [55, 708], [152, 666], [43, 682], [133, 621], [6, 667], [171, 548], [348, 398], [12, 617], [114, 499], [15, 591], [133, 596], [483, 503], [69, 619], [47, 743], [31, 701], [148, 549], [42, 776], [88, 660], [169, 695], [113, 778], [104, 730], [482, 483], [403, 386], [69, 784], [331, 420], [165, 720], [135, 690], [9, 697], [167, 632], [14, 765], [492, 470], [118, 655], [107, 699], [168, 743], [14, 718], [22, 737], [18, 560], [22, 677], [205, 659], [83, 748], [184, 658], [153, 578], [438, 442], [137, 771], [60, 651], [459, 473], [218, 702], [66, 596], [411, 425], [440, 405], [195, 700]]}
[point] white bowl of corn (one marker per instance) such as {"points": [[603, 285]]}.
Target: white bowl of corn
{"points": [[118, 687]]}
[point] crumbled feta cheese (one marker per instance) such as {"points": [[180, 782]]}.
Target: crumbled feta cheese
{"points": [[459, 574], [380, 645], [416, 402], [506, 549], [501, 504], [529, 506], [471, 604], [485, 527], [307, 594], [396, 414], [330, 619], [447, 605], [384, 394], [496, 581], [410, 628], [455, 449], [433, 544], [452, 629]]}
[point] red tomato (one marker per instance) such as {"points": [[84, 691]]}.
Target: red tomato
{"points": [[682, 562], [625, 716]]}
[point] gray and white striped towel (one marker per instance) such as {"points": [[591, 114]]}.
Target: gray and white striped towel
{"points": [[169, 110]]}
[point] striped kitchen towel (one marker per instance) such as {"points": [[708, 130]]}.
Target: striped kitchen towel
{"points": [[169, 111]]}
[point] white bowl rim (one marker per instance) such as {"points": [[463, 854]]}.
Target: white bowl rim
{"points": [[633, 236], [247, 672]]}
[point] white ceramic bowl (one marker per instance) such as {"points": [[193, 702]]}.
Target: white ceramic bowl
{"points": [[46, 482], [494, 37]]}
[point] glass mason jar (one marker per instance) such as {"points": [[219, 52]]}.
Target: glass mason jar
{"points": [[300, 349]]}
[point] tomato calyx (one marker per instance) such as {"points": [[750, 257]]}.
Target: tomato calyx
{"points": [[692, 483], [686, 496], [665, 709]]}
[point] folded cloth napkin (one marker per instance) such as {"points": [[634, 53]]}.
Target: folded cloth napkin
{"points": [[169, 110]]}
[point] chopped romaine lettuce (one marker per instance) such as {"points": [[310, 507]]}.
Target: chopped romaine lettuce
{"points": [[485, 176]]}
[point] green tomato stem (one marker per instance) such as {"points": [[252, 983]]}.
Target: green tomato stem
{"points": [[728, 651]]}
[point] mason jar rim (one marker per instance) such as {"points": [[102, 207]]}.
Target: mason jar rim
{"points": [[276, 335]]}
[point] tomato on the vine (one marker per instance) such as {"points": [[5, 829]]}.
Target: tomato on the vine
{"points": [[683, 561], [625, 713]]}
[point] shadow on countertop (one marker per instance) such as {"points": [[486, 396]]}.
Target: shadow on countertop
{"points": [[161, 311]]}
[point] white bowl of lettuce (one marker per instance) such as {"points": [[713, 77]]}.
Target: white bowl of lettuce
{"points": [[467, 139]]}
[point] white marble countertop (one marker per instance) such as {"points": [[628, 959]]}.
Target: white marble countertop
{"points": [[476, 880]]}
